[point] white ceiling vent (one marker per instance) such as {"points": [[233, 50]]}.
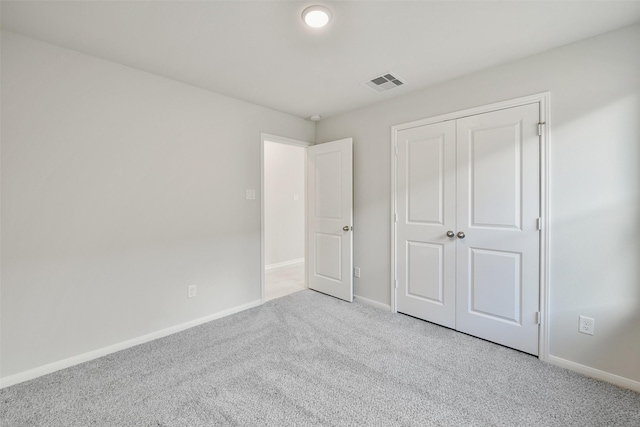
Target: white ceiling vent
{"points": [[384, 82]]}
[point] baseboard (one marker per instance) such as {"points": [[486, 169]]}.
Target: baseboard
{"points": [[373, 303], [595, 373], [85, 357], [283, 263]]}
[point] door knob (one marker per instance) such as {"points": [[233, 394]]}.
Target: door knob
{"points": [[450, 233], [346, 228], [461, 235]]}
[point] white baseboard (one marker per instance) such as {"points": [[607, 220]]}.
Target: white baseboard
{"points": [[595, 373], [373, 303], [91, 355], [283, 263]]}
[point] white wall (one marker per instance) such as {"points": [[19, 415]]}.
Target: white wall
{"points": [[594, 180], [284, 177], [119, 189]]}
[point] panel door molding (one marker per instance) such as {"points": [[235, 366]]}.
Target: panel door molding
{"points": [[330, 218], [498, 205], [467, 247], [426, 210]]}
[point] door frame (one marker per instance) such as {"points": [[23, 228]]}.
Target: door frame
{"points": [[281, 140], [543, 99]]}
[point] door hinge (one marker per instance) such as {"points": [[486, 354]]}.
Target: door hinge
{"points": [[539, 224], [395, 283], [395, 217], [540, 128], [538, 318], [396, 147]]}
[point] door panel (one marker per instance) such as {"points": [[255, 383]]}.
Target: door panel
{"points": [[425, 180], [330, 196], [328, 256], [422, 260], [327, 191], [495, 284], [426, 211], [495, 197], [498, 205]]}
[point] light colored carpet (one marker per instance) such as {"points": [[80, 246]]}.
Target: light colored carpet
{"points": [[309, 359]]}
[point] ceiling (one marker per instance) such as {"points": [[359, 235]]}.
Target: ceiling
{"points": [[261, 52]]}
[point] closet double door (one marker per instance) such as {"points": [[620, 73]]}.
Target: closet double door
{"points": [[468, 239]]}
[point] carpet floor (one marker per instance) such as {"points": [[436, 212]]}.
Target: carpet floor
{"points": [[309, 359]]}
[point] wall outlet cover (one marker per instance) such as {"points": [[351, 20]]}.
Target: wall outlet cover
{"points": [[587, 325], [191, 291]]}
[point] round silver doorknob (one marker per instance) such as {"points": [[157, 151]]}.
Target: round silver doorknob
{"points": [[345, 228], [450, 233], [461, 235]]}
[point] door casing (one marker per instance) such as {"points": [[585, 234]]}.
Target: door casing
{"points": [[543, 100]]}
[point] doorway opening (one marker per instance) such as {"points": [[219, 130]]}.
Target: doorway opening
{"points": [[283, 216]]}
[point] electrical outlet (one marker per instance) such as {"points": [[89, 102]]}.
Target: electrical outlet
{"points": [[587, 325], [250, 194], [191, 291], [356, 271]]}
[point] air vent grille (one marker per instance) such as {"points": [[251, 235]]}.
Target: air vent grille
{"points": [[384, 82]]}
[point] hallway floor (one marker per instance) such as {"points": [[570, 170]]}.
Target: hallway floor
{"points": [[284, 280]]}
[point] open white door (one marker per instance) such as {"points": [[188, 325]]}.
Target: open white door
{"points": [[330, 218]]}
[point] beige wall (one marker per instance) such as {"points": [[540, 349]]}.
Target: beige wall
{"points": [[119, 189], [594, 186]]}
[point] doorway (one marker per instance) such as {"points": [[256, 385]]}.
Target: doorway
{"points": [[283, 216], [322, 199]]}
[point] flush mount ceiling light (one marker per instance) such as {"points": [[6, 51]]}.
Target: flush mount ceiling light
{"points": [[316, 16]]}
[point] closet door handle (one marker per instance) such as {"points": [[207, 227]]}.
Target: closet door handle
{"points": [[461, 235], [450, 233]]}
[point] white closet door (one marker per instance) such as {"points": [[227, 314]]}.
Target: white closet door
{"points": [[477, 177], [330, 218], [498, 206], [426, 211]]}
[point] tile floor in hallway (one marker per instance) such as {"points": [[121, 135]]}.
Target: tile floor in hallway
{"points": [[281, 281]]}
